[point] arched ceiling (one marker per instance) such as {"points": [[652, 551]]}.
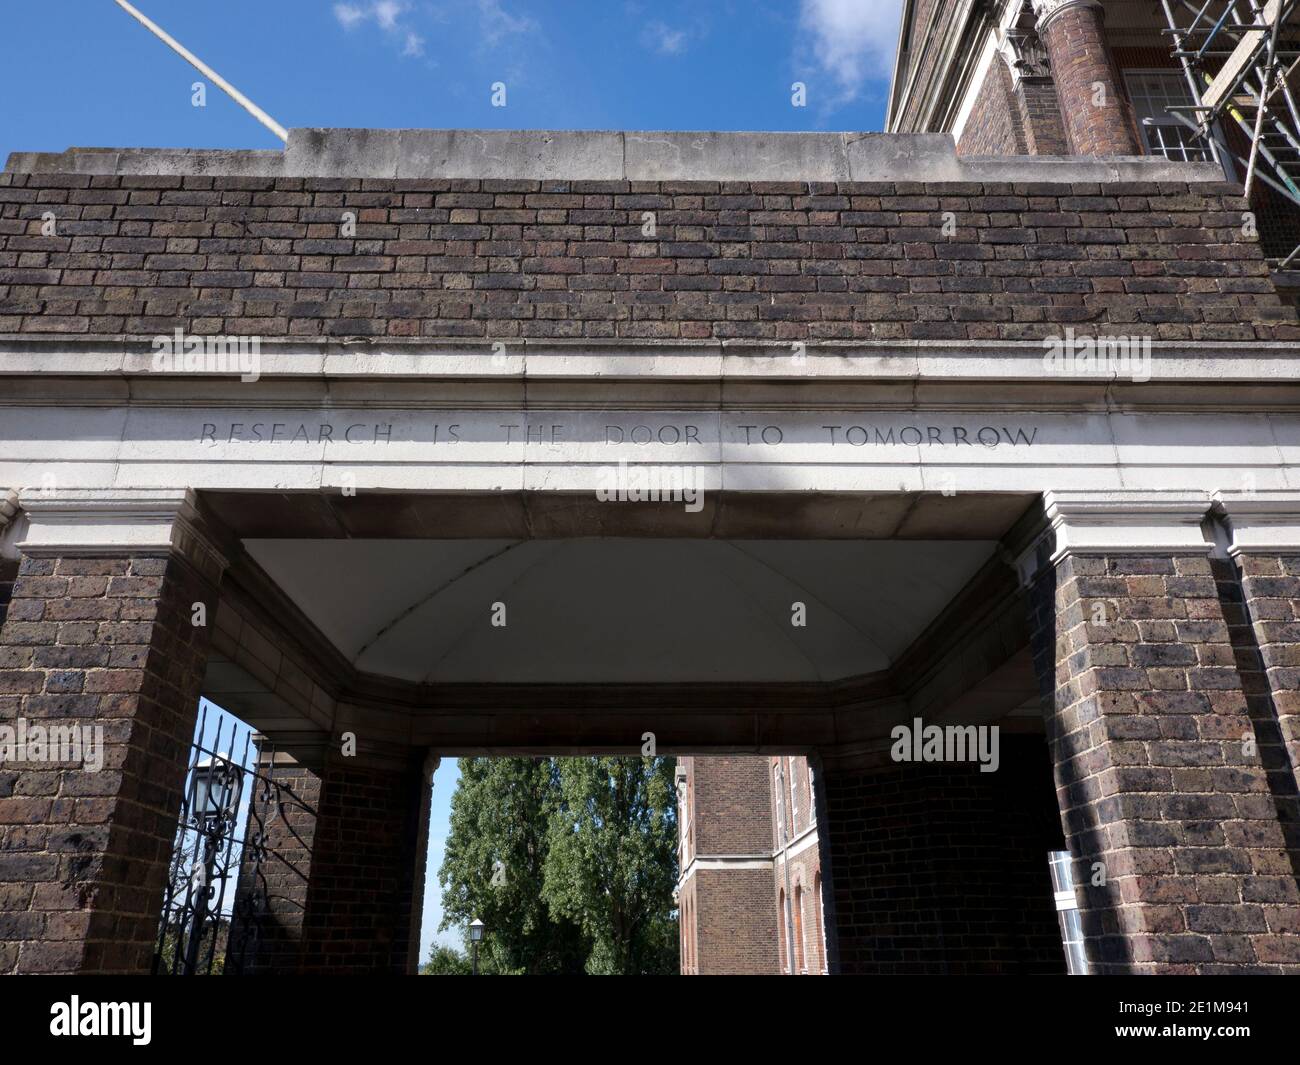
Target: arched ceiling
{"points": [[620, 610]]}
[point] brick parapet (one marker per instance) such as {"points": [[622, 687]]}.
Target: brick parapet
{"points": [[503, 260]]}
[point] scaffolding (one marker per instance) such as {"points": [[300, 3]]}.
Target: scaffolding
{"points": [[1240, 59]]}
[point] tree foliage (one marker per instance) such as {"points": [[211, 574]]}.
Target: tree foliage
{"points": [[445, 961], [612, 863], [570, 863], [500, 813]]}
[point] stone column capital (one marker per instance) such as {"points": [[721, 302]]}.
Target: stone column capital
{"points": [[94, 522], [1046, 10], [1261, 522], [1116, 523]]}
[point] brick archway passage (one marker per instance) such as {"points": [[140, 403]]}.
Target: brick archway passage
{"points": [[819, 348]]}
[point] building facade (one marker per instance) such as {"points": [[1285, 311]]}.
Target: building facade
{"points": [[750, 892], [1098, 78]]}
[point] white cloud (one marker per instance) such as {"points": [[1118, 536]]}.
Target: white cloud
{"points": [[496, 23], [387, 12], [349, 15], [387, 15], [663, 39], [853, 40]]}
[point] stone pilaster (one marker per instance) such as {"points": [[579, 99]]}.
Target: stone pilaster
{"points": [[1033, 93], [99, 643]]}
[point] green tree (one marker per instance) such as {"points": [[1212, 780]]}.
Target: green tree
{"points": [[494, 865], [612, 862], [445, 961]]}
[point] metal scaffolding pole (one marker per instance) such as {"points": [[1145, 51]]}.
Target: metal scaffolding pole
{"points": [[1238, 59]]}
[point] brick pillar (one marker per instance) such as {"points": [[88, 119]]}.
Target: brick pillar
{"points": [[275, 869], [942, 869], [1072, 33], [366, 888], [727, 875], [98, 637], [1148, 719], [1271, 587], [8, 574], [1262, 539]]}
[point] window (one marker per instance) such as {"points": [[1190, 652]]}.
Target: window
{"points": [[793, 763], [818, 920], [779, 836], [1152, 93], [780, 915], [799, 966]]}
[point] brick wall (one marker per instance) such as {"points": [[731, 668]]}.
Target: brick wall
{"points": [[498, 260], [994, 126], [732, 924], [732, 805], [268, 940], [735, 922], [367, 870], [8, 574], [807, 919], [92, 642], [1271, 606], [1159, 789], [942, 869], [1039, 108]]}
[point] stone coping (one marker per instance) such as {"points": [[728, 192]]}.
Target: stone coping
{"points": [[580, 155]]}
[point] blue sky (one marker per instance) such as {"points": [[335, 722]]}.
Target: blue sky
{"points": [[82, 72]]}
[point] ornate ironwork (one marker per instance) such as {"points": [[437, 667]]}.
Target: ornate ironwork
{"points": [[200, 932]]}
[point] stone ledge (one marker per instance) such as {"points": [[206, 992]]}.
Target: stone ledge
{"points": [[581, 155]]}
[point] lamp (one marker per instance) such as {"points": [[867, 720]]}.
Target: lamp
{"points": [[476, 930]]}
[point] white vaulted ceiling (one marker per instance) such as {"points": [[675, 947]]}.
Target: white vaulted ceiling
{"points": [[620, 610]]}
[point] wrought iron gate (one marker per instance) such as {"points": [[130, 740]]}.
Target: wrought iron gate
{"points": [[207, 927]]}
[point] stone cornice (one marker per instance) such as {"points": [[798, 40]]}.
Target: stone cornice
{"points": [[108, 371]]}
